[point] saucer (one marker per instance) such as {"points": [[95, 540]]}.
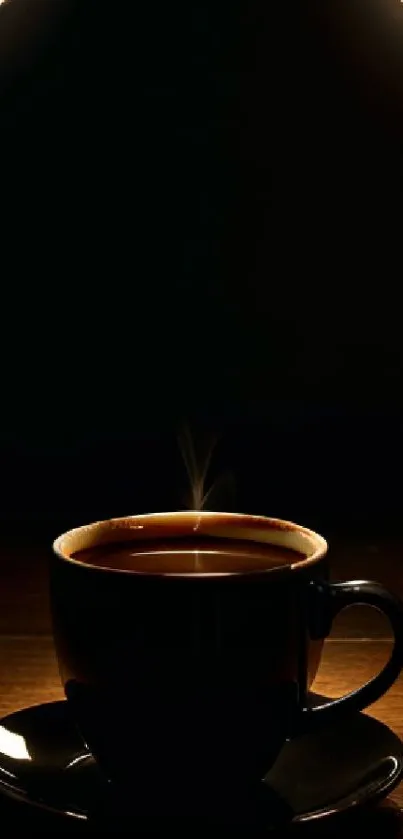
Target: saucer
{"points": [[44, 763]]}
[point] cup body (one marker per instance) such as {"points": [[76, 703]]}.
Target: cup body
{"points": [[185, 682]]}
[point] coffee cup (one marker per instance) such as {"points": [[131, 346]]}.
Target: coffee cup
{"points": [[188, 641]]}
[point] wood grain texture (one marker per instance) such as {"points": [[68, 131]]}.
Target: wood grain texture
{"points": [[28, 672]]}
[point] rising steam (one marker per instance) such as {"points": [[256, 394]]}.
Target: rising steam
{"points": [[197, 463]]}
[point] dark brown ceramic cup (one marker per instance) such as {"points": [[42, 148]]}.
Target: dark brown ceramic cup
{"points": [[185, 686]]}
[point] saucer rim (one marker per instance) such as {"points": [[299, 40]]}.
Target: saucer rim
{"points": [[380, 792]]}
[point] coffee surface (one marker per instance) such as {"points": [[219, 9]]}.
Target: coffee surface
{"points": [[188, 556]]}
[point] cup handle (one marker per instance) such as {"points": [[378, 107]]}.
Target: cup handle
{"points": [[326, 600]]}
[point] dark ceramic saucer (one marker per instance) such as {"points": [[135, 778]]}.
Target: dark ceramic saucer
{"points": [[44, 763]]}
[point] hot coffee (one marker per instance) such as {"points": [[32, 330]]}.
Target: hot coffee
{"points": [[182, 682], [188, 556]]}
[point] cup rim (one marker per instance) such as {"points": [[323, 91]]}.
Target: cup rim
{"points": [[241, 526]]}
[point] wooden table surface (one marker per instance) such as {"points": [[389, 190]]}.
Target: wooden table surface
{"points": [[359, 645]]}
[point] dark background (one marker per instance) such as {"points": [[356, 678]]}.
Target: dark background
{"points": [[201, 220]]}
